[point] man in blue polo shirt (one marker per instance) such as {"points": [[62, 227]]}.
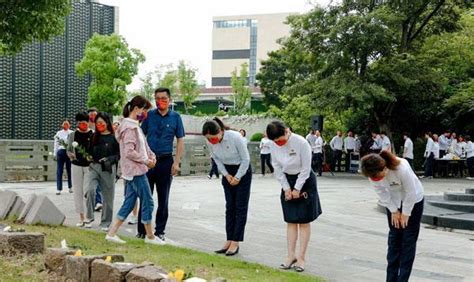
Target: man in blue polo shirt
{"points": [[161, 127]]}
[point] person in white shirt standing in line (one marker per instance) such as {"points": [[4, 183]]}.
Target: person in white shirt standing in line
{"points": [[318, 152], [470, 157], [429, 156], [336, 147], [400, 191], [291, 157], [453, 143], [349, 148], [311, 138], [444, 143], [376, 146], [265, 156], [60, 155], [408, 149], [386, 144]]}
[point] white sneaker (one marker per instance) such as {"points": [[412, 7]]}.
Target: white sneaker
{"points": [[154, 241], [88, 224], [114, 239], [80, 224], [470, 178], [105, 229], [208, 176], [70, 190], [133, 220]]}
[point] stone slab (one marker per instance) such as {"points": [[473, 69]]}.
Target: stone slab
{"points": [[28, 204], [7, 199], [17, 207], [110, 272], [44, 211], [55, 259], [79, 268], [15, 243], [147, 274]]}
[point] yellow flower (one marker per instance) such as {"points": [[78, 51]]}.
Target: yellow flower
{"points": [[108, 259], [179, 275], [78, 253], [170, 275]]}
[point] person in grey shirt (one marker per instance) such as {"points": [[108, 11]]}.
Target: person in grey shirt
{"points": [[444, 143]]}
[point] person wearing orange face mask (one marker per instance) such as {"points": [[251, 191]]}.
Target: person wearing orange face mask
{"points": [[229, 151], [78, 142], [104, 154], [400, 191], [60, 155], [291, 158], [161, 126]]}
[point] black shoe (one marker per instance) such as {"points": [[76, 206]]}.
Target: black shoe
{"points": [[232, 253], [288, 266], [221, 251], [140, 236]]}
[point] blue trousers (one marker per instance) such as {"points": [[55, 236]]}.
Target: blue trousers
{"points": [[62, 160], [138, 187], [402, 246]]}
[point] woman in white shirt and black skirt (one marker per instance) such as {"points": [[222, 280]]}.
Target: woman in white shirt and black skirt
{"points": [[401, 192], [291, 159], [229, 151]]}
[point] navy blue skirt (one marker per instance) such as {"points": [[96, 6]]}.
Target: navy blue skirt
{"points": [[305, 209]]}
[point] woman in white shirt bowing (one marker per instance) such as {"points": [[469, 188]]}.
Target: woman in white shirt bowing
{"points": [[291, 159], [400, 191], [229, 151]]}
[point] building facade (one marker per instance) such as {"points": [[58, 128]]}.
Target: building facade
{"points": [[244, 39], [39, 86]]}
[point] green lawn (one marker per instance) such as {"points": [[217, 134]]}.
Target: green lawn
{"points": [[196, 263]]}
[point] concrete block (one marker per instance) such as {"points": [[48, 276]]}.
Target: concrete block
{"points": [[45, 212], [14, 243], [79, 268], [26, 209], [147, 274], [7, 199], [111, 272], [55, 259], [17, 207]]}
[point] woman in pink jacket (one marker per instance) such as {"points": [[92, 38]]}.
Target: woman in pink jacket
{"points": [[135, 160]]}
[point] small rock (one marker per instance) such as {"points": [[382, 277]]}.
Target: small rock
{"points": [[55, 259], [13, 243], [110, 272], [147, 274], [79, 268]]}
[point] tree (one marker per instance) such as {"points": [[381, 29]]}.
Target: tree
{"points": [[22, 22], [365, 56], [112, 66], [188, 86], [240, 89]]}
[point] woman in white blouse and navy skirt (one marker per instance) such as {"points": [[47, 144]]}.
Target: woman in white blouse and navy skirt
{"points": [[291, 158], [401, 192], [229, 151]]}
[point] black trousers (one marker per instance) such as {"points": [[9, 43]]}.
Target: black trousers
{"points": [[470, 166], [429, 165], [236, 204], [348, 159], [317, 163], [266, 159], [214, 169], [402, 246], [336, 158], [159, 178]]}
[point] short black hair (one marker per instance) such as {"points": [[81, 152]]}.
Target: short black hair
{"points": [[82, 116], [275, 129], [383, 132], [405, 133], [163, 89], [92, 109]]}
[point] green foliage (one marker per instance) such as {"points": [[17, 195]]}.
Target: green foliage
{"points": [[256, 137], [188, 87], [22, 22], [392, 65], [241, 90], [112, 66]]}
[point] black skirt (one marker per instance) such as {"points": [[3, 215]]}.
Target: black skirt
{"points": [[305, 209]]}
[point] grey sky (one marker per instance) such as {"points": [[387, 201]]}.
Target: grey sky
{"points": [[170, 30]]}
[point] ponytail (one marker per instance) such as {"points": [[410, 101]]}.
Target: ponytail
{"points": [[372, 164], [391, 161]]}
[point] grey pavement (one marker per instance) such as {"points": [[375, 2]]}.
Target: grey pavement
{"points": [[348, 241]]}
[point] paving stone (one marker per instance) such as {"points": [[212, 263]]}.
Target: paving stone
{"points": [[45, 212], [15, 243], [55, 259], [147, 274], [17, 207], [7, 199], [110, 272], [26, 209], [79, 268]]}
